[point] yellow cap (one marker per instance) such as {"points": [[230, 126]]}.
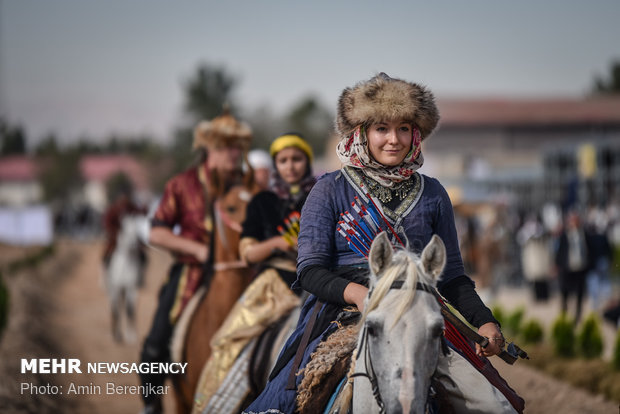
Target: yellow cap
{"points": [[290, 140]]}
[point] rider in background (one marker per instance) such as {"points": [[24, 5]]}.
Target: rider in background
{"points": [[187, 203], [262, 164], [382, 123], [269, 242], [122, 206]]}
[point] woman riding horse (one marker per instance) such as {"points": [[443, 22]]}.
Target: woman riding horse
{"points": [[268, 241], [382, 123], [187, 203]]}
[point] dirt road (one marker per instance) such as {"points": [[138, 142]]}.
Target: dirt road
{"points": [[80, 325], [84, 316], [72, 319]]}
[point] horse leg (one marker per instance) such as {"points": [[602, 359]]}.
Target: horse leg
{"points": [[181, 404], [130, 311], [115, 302]]}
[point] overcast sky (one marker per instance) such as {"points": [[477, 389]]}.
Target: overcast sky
{"points": [[96, 67]]}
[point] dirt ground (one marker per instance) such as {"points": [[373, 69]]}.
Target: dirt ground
{"points": [[78, 321], [84, 316], [72, 314]]}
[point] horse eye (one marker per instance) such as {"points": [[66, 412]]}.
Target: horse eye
{"points": [[437, 330], [372, 329], [231, 209]]}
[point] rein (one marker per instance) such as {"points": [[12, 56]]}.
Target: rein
{"points": [[221, 266], [364, 344]]}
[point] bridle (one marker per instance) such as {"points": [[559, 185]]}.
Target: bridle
{"points": [[364, 344]]}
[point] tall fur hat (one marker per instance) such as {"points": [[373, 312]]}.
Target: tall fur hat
{"points": [[383, 98], [222, 131]]}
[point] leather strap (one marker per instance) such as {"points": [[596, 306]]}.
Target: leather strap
{"points": [[291, 383]]}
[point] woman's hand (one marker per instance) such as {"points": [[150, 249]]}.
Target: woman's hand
{"points": [[280, 243], [261, 251], [355, 294], [496, 340]]}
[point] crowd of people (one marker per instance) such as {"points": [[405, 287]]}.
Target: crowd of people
{"points": [[574, 253], [568, 251]]}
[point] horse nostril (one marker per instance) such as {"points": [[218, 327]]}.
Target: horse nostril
{"points": [[398, 373]]}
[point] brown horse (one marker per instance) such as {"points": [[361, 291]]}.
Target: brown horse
{"points": [[230, 278]]}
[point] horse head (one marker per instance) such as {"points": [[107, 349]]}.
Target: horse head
{"points": [[230, 277], [399, 342], [229, 213]]}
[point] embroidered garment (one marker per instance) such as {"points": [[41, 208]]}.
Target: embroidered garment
{"points": [[353, 151], [425, 211], [184, 204]]}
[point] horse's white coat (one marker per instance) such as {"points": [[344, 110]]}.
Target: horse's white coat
{"points": [[123, 275], [405, 328]]}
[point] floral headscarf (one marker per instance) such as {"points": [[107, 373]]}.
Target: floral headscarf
{"points": [[353, 151]]}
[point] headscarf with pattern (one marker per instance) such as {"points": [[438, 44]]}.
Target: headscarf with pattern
{"points": [[353, 151]]}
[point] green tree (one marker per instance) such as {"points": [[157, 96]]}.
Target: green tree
{"points": [[59, 174], [12, 139], [206, 92], [313, 121], [265, 127], [48, 146], [612, 83]]}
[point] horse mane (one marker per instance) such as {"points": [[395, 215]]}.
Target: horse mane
{"points": [[404, 266]]}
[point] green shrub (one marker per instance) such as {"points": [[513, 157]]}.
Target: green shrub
{"points": [[4, 304], [498, 313], [590, 338], [513, 321], [563, 336], [616, 357], [532, 332]]}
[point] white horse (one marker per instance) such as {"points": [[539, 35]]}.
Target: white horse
{"points": [[124, 274], [400, 337]]}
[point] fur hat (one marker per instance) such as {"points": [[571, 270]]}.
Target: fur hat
{"points": [[382, 98], [222, 131]]}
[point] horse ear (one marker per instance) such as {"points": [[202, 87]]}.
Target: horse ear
{"points": [[434, 257], [380, 253]]}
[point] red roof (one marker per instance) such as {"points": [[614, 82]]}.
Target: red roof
{"points": [[17, 168], [491, 112], [102, 167]]}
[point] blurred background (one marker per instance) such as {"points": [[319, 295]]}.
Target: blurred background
{"points": [[96, 96]]}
